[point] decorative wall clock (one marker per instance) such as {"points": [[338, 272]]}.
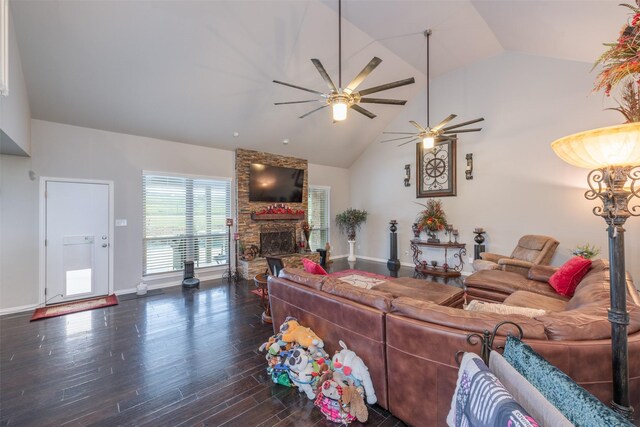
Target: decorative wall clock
{"points": [[436, 169]]}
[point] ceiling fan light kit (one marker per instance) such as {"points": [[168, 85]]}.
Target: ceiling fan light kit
{"points": [[430, 136], [341, 100]]}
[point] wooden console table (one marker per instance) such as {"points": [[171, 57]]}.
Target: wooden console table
{"points": [[445, 269]]}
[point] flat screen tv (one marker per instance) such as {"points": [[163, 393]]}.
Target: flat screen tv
{"points": [[275, 184]]}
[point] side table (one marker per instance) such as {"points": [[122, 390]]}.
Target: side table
{"points": [[261, 283], [445, 269]]}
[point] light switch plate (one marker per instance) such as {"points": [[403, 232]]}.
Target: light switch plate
{"points": [[121, 222]]}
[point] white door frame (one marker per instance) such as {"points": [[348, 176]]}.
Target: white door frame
{"points": [[42, 276]]}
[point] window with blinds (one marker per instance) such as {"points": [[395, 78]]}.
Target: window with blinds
{"points": [[184, 219], [318, 216]]}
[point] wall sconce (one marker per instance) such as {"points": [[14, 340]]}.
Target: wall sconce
{"points": [[407, 175], [4, 47], [468, 171]]}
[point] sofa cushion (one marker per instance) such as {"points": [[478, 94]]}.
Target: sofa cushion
{"points": [[422, 290], [313, 267], [301, 277], [370, 297], [465, 320], [541, 273], [575, 403], [506, 282], [533, 300], [566, 279], [489, 307], [589, 323]]}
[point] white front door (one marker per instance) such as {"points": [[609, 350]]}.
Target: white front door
{"points": [[76, 240]]}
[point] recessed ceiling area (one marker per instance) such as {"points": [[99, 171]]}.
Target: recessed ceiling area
{"points": [[197, 71]]}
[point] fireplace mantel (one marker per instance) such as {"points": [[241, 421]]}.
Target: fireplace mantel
{"points": [[274, 217]]}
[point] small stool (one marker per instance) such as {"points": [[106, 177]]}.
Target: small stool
{"points": [[261, 283]]}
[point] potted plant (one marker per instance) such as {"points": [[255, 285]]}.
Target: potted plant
{"points": [[432, 219], [586, 251], [349, 222]]}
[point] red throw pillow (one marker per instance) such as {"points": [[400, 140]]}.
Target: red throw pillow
{"points": [[313, 267], [566, 279]]}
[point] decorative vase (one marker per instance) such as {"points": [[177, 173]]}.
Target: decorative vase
{"points": [[352, 255], [307, 233], [416, 230]]}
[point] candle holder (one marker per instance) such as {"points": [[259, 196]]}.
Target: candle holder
{"points": [[449, 229], [478, 248], [456, 233]]}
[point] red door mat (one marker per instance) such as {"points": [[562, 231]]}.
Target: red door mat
{"points": [[74, 307]]}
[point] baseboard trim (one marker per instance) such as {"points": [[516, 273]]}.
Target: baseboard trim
{"points": [[170, 283], [19, 309]]}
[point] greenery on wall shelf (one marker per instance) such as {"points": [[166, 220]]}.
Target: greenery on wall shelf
{"points": [[350, 221]]}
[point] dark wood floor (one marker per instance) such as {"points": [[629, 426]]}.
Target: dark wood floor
{"points": [[185, 357]]}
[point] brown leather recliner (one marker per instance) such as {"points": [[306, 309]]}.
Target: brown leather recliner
{"points": [[531, 250]]}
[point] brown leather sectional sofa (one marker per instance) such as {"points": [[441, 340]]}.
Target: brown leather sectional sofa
{"points": [[409, 344]]}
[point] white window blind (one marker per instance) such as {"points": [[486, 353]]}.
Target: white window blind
{"points": [[184, 219], [318, 216]]}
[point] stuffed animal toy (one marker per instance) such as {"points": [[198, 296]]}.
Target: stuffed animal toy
{"points": [[330, 398], [354, 403], [301, 371], [292, 332], [354, 368]]}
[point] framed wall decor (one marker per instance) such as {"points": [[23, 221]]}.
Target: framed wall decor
{"points": [[436, 169]]}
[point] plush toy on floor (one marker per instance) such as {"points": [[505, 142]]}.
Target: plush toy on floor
{"points": [[301, 371], [330, 398], [354, 368], [293, 332]]}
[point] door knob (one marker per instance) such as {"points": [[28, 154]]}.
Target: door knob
{"points": [[104, 245]]}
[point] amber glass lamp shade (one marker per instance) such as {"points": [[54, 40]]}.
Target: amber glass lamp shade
{"points": [[609, 146]]}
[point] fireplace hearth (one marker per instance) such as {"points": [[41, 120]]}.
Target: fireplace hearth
{"points": [[277, 239]]}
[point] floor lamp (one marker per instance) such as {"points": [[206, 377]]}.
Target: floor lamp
{"points": [[613, 156]]}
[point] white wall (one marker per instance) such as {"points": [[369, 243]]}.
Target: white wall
{"points": [[519, 186], [15, 116], [66, 151], [338, 180]]}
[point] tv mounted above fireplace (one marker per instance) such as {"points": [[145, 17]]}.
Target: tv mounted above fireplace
{"points": [[275, 184]]}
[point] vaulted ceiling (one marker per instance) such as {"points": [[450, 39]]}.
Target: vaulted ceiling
{"points": [[198, 71]]}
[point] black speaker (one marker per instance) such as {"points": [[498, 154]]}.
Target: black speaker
{"points": [[189, 272]]}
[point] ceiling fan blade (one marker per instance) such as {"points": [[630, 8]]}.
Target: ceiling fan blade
{"points": [[398, 139], [444, 122], [363, 75], [463, 124], [463, 130], [420, 128], [313, 111], [325, 75], [299, 87], [296, 102], [361, 110], [387, 86], [399, 133], [383, 101], [405, 143]]}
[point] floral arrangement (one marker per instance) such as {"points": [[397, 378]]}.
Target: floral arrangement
{"points": [[621, 64], [279, 209], [306, 226], [586, 251], [433, 217]]}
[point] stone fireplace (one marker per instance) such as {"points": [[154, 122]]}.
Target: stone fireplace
{"points": [[273, 236]]}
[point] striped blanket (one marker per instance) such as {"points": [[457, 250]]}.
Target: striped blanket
{"points": [[481, 400]]}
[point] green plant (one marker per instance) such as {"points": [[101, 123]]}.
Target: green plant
{"points": [[350, 221], [586, 251]]}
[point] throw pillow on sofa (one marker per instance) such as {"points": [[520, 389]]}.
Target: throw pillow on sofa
{"points": [[489, 307], [566, 279], [313, 267]]}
